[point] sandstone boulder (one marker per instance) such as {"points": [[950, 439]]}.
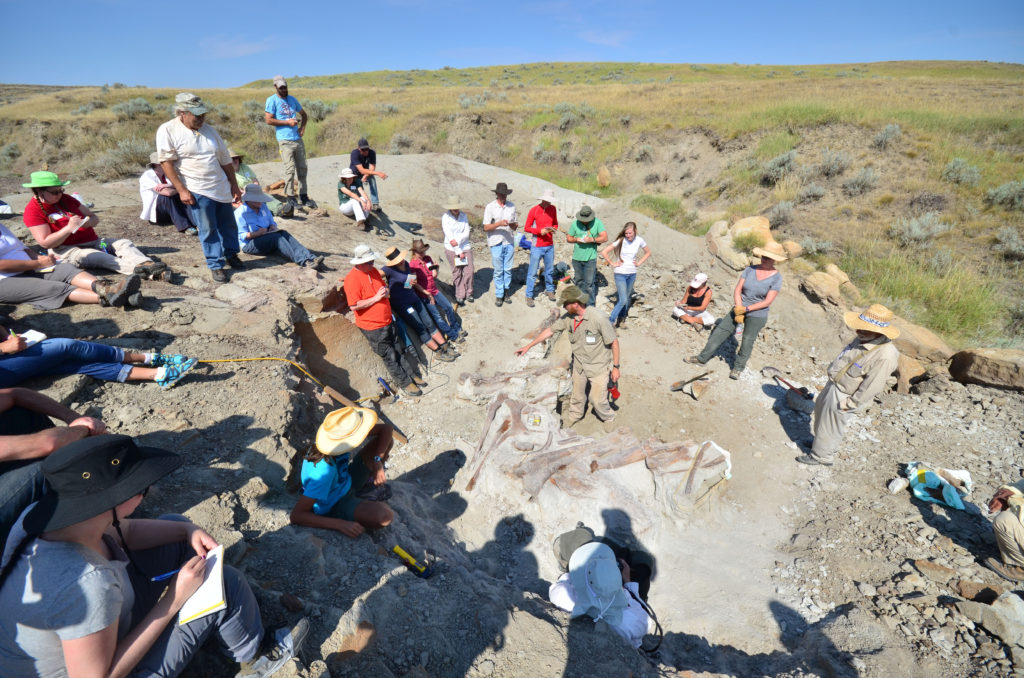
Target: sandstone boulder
{"points": [[837, 273], [793, 249], [1002, 367], [758, 225], [921, 343], [719, 242], [852, 293], [820, 288], [908, 368]]}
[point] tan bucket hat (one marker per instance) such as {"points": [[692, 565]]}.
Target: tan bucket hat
{"points": [[572, 295], [875, 318], [344, 430], [452, 203]]}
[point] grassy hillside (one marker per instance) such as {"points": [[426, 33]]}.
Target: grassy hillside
{"points": [[907, 174]]}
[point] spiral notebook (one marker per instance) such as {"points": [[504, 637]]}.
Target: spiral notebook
{"points": [[209, 597]]}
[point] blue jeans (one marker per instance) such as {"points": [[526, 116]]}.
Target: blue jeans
{"points": [[450, 325], [63, 356], [501, 260], [417, 320], [624, 286], [536, 254], [278, 241], [370, 183], [584, 277], [218, 233]]}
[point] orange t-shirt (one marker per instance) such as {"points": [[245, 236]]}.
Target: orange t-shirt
{"points": [[361, 285]]}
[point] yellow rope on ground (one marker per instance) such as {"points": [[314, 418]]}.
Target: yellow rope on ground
{"points": [[285, 360]]}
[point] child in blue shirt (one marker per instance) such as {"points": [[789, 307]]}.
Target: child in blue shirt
{"points": [[352, 447]]}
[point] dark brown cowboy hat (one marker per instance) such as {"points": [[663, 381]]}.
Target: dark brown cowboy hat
{"points": [[419, 246], [502, 189]]}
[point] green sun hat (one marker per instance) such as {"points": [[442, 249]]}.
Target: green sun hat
{"points": [[44, 180]]}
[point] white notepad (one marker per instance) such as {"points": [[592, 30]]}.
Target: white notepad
{"points": [[32, 337], [209, 597]]}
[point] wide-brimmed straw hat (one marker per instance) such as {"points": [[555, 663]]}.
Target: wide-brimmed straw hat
{"points": [[699, 280], [572, 294], [772, 250], [347, 173], [419, 246], [597, 583], [362, 254], [452, 203], [547, 196], [234, 155], [502, 189], [875, 318], [253, 193], [395, 256], [93, 475], [186, 101], [344, 430], [44, 180], [585, 215]]}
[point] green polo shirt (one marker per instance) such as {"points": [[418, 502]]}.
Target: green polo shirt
{"points": [[585, 251]]}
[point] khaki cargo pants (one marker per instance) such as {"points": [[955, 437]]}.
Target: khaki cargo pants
{"points": [[293, 155]]}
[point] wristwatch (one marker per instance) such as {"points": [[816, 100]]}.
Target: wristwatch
{"points": [[615, 366]]}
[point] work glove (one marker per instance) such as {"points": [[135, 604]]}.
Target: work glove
{"points": [[738, 313]]}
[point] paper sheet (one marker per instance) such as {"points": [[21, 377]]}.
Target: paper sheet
{"points": [[209, 597]]}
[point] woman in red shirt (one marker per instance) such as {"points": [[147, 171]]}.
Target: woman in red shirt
{"points": [[60, 223]]}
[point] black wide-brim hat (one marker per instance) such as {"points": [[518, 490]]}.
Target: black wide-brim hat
{"points": [[93, 475]]}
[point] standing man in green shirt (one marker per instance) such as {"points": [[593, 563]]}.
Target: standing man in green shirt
{"points": [[587, 232], [595, 354]]}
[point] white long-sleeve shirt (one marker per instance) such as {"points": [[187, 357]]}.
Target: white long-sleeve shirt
{"points": [[457, 230]]}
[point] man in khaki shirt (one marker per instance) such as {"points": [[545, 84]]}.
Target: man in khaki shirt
{"points": [[1008, 525], [595, 354], [855, 377]]}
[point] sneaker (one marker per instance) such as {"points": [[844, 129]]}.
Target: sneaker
{"points": [[458, 339], [1007, 572], [375, 207], [735, 374], [169, 359], [308, 202], [463, 333], [499, 301], [191, 230], [693, 360], [529, 301], [413, 390], [219, 275], [551, 295], [174, 373], [470, 299], [235, 262], [116, 293], [288, 642], [460, 302], [811, 460]]}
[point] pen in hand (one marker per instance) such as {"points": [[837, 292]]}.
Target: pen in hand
{"points": [[165, 575]]}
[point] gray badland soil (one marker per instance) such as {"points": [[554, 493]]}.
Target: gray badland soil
{"points": [[787, 570]]}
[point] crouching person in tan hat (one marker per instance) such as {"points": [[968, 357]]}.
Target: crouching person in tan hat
{"points": [[595, 354], [343, 476], [855, 377], [1008, 503]]}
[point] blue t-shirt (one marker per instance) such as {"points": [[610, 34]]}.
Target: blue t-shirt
{"points": [[285, 109], [401, 294], [356, 159], [326, 482]]}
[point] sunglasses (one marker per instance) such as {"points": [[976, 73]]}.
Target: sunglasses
{"points": [[54, 191]]}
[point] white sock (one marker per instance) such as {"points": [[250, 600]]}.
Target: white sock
{"points": [[161, 373], [149, 358]]}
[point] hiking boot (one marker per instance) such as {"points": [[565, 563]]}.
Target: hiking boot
{"points": [[308, 202], [450, 349], [470, 299], [463, 333], [1008, 572], [499, 301], [286, 210], [166, 275], [458, 339], [444, 355], [235, 262], [149, 270], [735, 374], [116, 293], [287, 642], [811, 460], [219, 275], [693, 360], [551, 295], [412, 389], [529, 301], [460, 302], [418, 380], [172, 374], [316, 263], [135, 300], [375, 207]]}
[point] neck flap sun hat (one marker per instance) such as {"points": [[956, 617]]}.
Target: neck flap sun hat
{"points": [[394, 256], [44, 179], [572, 295], [585, 215], [875, 318], [344, 430], [547, 196], [347, 173], [253, 193], [186, 101], [597, 583], [699, 280], [362, 255], [92, 476], [772, 250]]}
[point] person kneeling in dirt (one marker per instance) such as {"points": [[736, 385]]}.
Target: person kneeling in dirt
{"points": [[693, 309], [595, 349], [600, 586], [1008, 503], [258, 232], [343, 477], [855, 377]]}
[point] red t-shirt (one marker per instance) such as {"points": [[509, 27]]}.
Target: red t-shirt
{"points": [[59, 215], [361, 285], [540, 218], [424, 276]]}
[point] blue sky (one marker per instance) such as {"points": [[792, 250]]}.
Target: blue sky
{"points": [[225, 44]]}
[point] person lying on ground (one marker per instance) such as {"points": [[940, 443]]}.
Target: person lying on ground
{"points": [[1008, 525], [160, 202], [855, 377], [27, 277], [754, 293], [61, 224], [27, 436], [343, 476], [624, 250], [352, 199], [258, 232], [409, 306], [89, 591], [20, 361], [442, 311], [457, 249], [363, 161], [693, 308]]}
